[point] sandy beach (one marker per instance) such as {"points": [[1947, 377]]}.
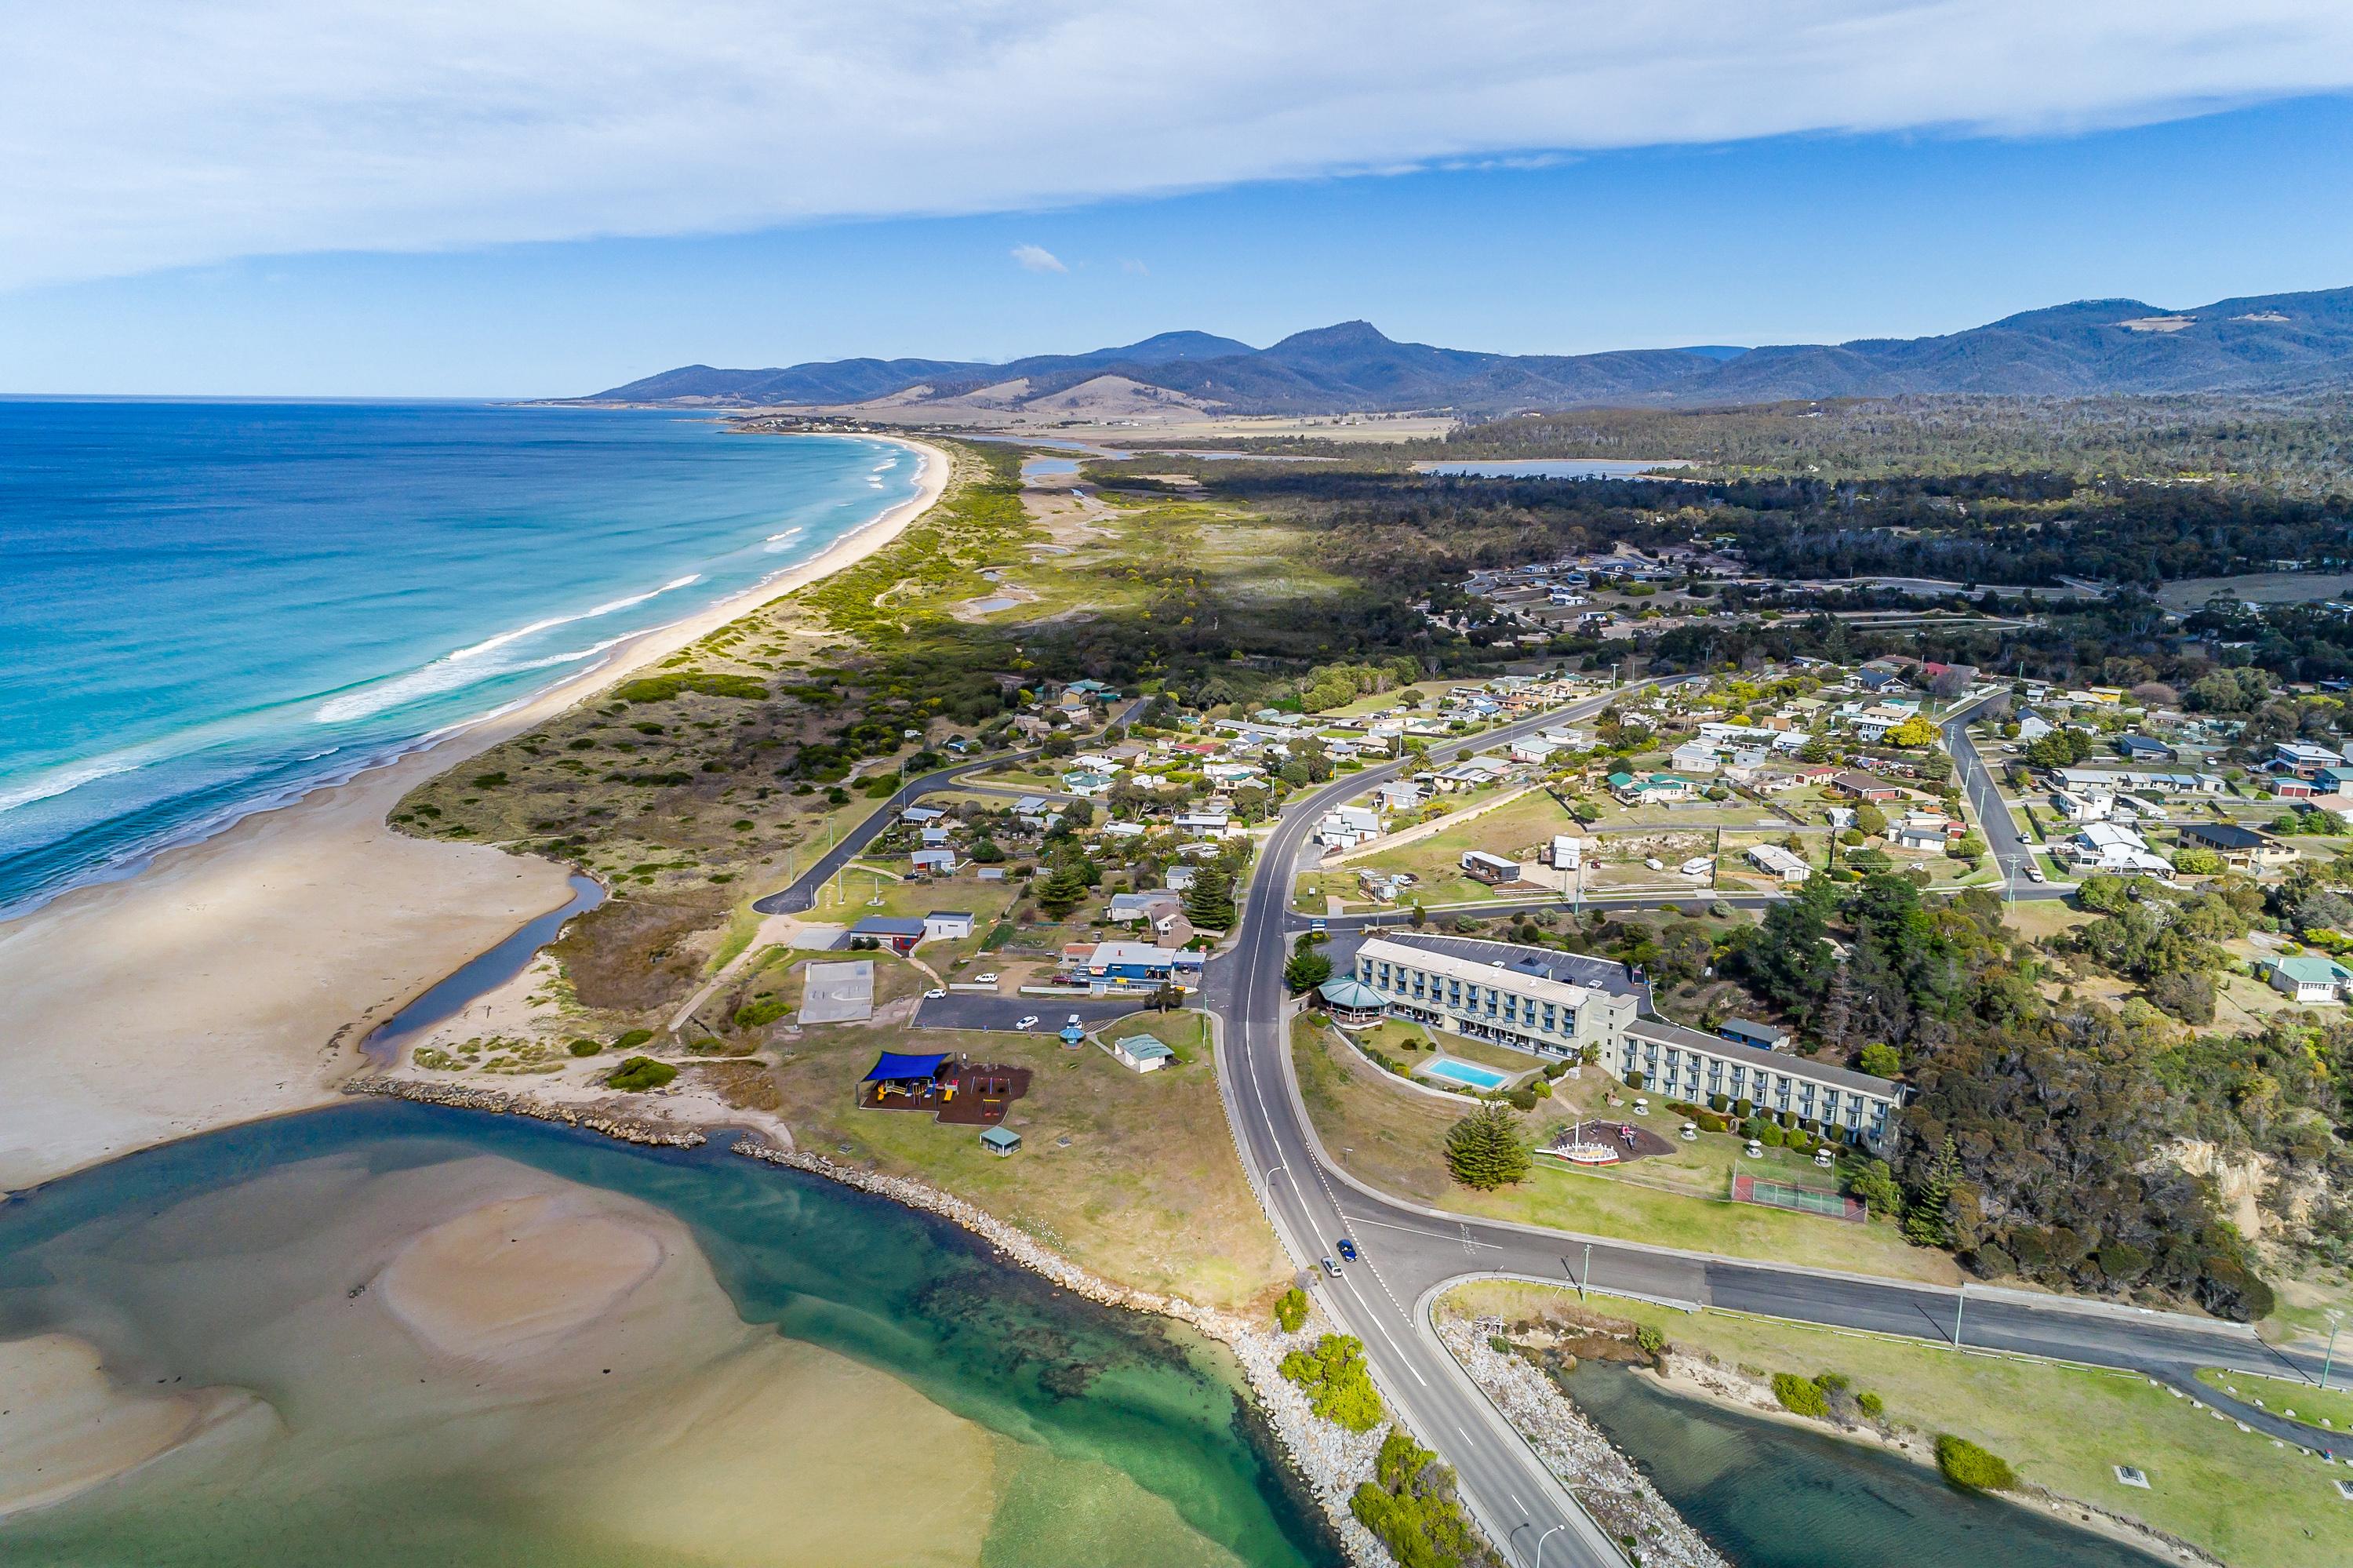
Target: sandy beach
{"points": [[233, 978]]}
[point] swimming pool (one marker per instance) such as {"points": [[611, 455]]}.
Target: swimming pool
{"points": [[1469, 1074]]}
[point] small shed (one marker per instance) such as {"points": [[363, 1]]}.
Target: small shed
{"points": [[1747, 1032], [1143, 1052], [1000, 1141]]}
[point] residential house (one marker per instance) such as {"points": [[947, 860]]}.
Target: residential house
{"points": [[2302, 758], [1087, 786], [1693, 757], [1778, 863], [1533, 751], [1481, 866], [1142, 1052], [1857, 785], [934, 862], [1203, 823], [947, 924], [1652, 789], [2242, 847], [2144, 749], [2031, 725], [1158, 911], [1398, 795], [2311, 978], [1919, 837], [898, 933]]}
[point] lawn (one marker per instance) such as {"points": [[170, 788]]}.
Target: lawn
{"points": [[1515, 830], [2063, 1427], [1393, 1137], [2334, 1407], [1132, 1175]]}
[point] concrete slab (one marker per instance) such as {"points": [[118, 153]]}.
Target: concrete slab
{"points": [[838, 993]]}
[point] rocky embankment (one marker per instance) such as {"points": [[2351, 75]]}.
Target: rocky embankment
{"points": [[1617, 1495], [465, 1096], [1332, 1461]]}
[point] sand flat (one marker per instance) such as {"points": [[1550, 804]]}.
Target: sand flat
{"points": [[233, 978], [67, 1425], [517, 1276]]}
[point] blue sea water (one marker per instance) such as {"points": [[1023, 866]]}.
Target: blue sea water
{"points": [[209, 608]]}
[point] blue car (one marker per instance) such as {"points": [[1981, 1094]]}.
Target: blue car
{"points": [[1348, 1249]]}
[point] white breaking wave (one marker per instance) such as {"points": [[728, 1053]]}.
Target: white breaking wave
{"points": [[465, 666], [73, 776], [552, 621], [776, 542]]}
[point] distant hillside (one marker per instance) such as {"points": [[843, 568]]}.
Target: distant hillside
{"points": [[2269, 343]]}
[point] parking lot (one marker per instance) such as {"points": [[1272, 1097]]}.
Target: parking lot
{"points": [[965, 1009]]}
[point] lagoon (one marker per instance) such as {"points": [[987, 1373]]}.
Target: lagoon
{"points": [[731, 1360]]}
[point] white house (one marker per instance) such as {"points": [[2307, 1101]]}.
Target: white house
{"points": [[937, 861], [1398, 795], [2311, 978], [1533, 751], [1778, 863], [1204, 824], [1142, 1052], [947, 924]]}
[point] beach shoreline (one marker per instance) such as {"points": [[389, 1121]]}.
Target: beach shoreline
{"points": [[233, 978]]}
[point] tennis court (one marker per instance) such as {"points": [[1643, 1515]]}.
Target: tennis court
{"points": [[1802, 1200]]}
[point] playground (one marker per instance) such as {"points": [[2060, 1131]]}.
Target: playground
{"points": [[954, 1089], [1605, 1140]]}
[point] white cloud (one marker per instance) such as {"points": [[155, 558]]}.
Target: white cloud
{"points": [[144, 133], [1038, 259]]}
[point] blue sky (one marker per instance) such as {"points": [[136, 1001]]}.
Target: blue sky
{"points": [[1786, 236]]}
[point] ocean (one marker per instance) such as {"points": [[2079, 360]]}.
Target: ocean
{"points": [[206, 609]]}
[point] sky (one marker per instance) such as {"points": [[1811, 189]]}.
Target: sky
{"points": [[261, 197]]}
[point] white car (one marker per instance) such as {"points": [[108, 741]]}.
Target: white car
{"points": [[1074, 1019], [935, 993], [1655, 863], [2034, 874], [1029, 1023], [988, 978]]}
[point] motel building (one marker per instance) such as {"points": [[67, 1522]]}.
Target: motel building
{"points": [[1682, 1064], [1523, 998], [1515, 999]]}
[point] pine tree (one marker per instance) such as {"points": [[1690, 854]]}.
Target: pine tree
{"points": [[1923, 1216], [1306, 971], [1062, 892], [1483, 1150], [1209, 902]]}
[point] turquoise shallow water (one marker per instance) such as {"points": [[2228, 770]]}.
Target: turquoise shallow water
{"points": [[1773, 1496], [896, 1290], [206, 608]]}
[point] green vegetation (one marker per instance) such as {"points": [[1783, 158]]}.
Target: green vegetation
{"points": [[1410, 1505], [630, 1039], [1801, 1395], [2062, 1428], [663, 688], [1290, 1310], [640, 1072], [1338, 1384], [1484, 1150], [585, 1047], [1966, 1464]]}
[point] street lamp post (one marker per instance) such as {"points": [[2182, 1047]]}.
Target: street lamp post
{"points": [[1961, 1300], [1587, 1272], [2335, 1320], [1547, 1535]]}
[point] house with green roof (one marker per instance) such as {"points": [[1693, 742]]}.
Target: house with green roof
{"points": [[2311, 978]]}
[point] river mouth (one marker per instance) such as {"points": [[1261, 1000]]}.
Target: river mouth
{"points": [[1770, 1495], [404, 1334]]}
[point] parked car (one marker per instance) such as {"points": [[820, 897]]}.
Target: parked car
{"points": [[1074, 1019], [2034, 874], [935, 993], [1330, 1268], [987, 977], [1031, 1021], [1348, 1249], [1654, 863]]}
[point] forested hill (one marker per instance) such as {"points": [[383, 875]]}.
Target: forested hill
{"points": [[2269, 343]]}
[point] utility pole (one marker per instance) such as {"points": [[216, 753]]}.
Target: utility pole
{"points": [[2335, 1320], [1586, 1281], [1959, 1301]]}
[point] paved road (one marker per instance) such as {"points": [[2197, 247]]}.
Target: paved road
{"points": [[2010, 851], [1409, 1253]]}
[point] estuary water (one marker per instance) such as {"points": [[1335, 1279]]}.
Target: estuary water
{"points": [[209, 608], [410, 1335], [1770, 1495]]}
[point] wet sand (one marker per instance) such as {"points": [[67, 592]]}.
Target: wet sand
{"points": [[233, 978]]}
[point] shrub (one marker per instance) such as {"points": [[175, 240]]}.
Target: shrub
{"points": [[1650, 1339], [487, 781], [1411, 1506], [585, 1047], [1882, 1061], [1974, 1468], [1803, 1396], [632, 1039], [1522, 1099], [1339, 1387], [759, 1014], [640, 1072], [660, 688], [1872, 1405], [1291, 1313]]}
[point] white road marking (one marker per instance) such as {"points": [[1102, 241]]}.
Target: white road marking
{"points": [[1384, 1328]]}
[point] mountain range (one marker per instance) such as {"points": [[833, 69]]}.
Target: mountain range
{"points": [[2264, 342]]}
